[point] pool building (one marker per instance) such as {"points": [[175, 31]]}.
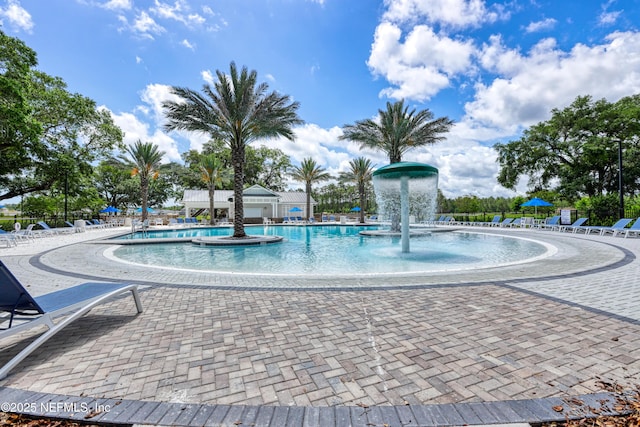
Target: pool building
{"points": [[259, 202]]}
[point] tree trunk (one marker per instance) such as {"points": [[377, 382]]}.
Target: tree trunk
{"points": [[212, 189], [362, 201], [308, 189], [238, 183], [144, 187]]}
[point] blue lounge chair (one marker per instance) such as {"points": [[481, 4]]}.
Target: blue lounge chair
{"points": [[634, 230], [574, 227], [506, 222], [515, 223], [494, 222], [550, 223], [20, 311], [51, 230], [614, 229]]}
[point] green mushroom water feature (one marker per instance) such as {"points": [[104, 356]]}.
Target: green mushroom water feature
{"points": [[404, 190]]}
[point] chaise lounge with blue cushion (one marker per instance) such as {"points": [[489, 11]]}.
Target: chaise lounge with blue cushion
{"points": [[19, 311]]}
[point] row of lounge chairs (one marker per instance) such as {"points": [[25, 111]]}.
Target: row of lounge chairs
{"points": [[618, 229], [31, 233]]}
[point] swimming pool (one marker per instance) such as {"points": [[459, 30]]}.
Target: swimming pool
{"points": [[332, 250]]}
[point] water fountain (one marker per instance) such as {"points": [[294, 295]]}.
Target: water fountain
{"points": [[406, 191]]}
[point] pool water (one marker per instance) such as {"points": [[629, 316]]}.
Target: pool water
{"points": [[332, 250]]}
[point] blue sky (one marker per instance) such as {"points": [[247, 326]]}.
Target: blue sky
{"points": [[494, 67]]}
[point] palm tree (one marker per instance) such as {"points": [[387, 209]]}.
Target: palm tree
{"points": [[144, 159], [360, 172], [309, 172], [238, 111], [212, 174], [397, 130]]}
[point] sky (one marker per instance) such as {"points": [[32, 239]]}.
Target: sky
{"points": [[493, 67]]}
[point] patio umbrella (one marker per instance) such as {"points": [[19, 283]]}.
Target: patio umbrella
{"points": [[356, 209], [535, 202], [149, 210], [110, 209], [295, 209]]}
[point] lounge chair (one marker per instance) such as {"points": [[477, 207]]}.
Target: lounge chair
{"points": [[527, 222], [574, 227], [494, 222], [614, 229], [75, 228], [56, 230], [515, 223], [8, 238], [20, 311], [505, 222], [634, 230], [549, 223]]}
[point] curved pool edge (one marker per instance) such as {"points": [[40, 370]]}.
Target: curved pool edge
{"points": [[550, 250], [575, 255]]}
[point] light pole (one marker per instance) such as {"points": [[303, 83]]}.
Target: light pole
{"points": [[620, 187]]}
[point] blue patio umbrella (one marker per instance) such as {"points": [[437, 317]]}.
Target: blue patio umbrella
{"points": [[355, 209], [295, 209], [149, 210], [535, 202], [110, 209]]}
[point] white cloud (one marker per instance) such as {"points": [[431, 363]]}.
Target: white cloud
{"points": [[450, 13], [136, 129], [118, 5], [530, 85], [186, 43], [207, 76], [421, 65], [17, 16], [544, 25], [145, 25], [179, 11], [609, 18]]}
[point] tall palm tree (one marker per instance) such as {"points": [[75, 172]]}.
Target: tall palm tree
{"points": [[360, 171], [309, 172], [144, 160], [213, 174], [397, 130], [238, 111]]}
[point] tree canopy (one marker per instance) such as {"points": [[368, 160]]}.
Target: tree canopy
{"points": [[397, 130], [237, 110], [575, 152], [46, 132]]}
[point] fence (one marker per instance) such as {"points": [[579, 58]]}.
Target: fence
{"points": [[7, 223]]}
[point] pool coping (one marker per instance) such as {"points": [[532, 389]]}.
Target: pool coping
{"points": [[127, 411]]}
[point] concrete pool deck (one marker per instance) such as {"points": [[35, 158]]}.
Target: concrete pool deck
{"points": [[551, 328]]}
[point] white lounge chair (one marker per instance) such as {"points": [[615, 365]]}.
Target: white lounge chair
{"points": [[20, 311]]}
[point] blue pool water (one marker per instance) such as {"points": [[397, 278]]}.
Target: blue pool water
{"points": [[331, 250]]}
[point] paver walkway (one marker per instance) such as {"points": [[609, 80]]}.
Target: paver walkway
{"points": [[551, 328]]}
